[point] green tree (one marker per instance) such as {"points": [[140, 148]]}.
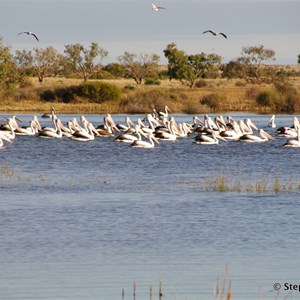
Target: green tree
{"points": [[138, 67], [115, 69], [299, 59], [43, 62], [9, 74], [189, 68], [202, 66], [83, 60], [234, 69], [177, 63], [253, 57]]}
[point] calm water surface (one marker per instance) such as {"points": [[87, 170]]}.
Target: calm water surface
{"points": [[85, 220]]}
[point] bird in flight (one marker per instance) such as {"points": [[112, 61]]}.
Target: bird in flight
{"points": [[156, 8], [215, 33], [29, 33]]}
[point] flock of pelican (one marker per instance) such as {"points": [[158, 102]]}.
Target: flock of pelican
{"points": [[147, 132]]}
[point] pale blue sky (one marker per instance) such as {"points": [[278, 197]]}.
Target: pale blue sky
{"points": [[128, 25]]}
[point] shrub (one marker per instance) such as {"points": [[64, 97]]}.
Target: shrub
{"points": [[252, 93], [201, 83], [99, 91], [65, 94], [163, 75], [129, 87], [267, 98], [103, 74], [48, 95], [292, 103], [152, 81], [240, 83], [214, 101], [117, 70]]}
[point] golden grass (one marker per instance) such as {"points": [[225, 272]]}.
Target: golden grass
{"points": [[237, 96]]}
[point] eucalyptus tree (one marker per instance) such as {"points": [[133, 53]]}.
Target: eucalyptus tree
{"points": [[9, 74], [42, 62], [85, 61], [254, 57], [189, 68], [138, 67]]}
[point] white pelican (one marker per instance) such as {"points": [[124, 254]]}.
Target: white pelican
{"points": [[205, 139], [251, 138], [163, 114], [31, 130], [29, 33], [1, 141], [74, 125], [209, 123], [290, 132], [85, 135], [293, 142], [127, 137], [128, 125], [215, 33], [146, 144], [151, 121], [9, 134], [13, 123], [220, 122], [230, 121], [184, 129], [156, 8], [247, 126], [50, 132], [49, 115], [131, 135], [167, 135], [272, 122], [66, 130], [108, 128], [197, 121], [233, 133]]}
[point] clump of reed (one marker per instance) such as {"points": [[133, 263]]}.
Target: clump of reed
{"points": [[226, 183], [223, 290], [134, 289]]}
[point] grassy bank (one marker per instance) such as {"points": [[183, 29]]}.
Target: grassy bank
{"points": [[211, 96]]}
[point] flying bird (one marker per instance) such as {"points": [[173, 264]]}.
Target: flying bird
{"points": [[215, 33], [29, 33], [156, 8]]}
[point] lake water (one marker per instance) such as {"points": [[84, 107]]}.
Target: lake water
{"points": [[86, 220]]}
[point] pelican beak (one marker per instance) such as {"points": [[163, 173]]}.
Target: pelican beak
{"points": [[6, 139], [95, 130], [221, 138], [269, 136]]}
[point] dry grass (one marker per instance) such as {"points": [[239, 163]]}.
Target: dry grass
{"points": [[236, 96]]}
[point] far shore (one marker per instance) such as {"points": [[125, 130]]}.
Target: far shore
{"points": [[215, 96]]}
